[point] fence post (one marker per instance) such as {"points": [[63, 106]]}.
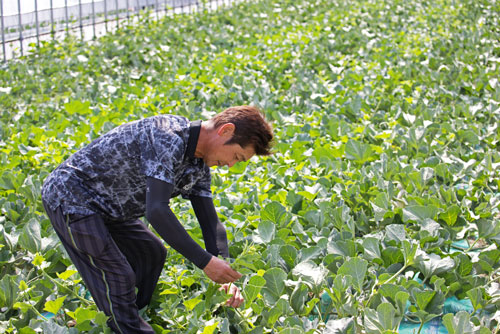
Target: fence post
{"points": [[128, 13], [93, 17], [36, 22], [117, 15], [106, 16], [66, 14], [20, 26], [3, 33], [52, 30], [80, 14]]}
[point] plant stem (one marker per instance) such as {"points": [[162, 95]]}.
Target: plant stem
{"points": [[244, 318], [388, 281], [38, 313], [472, 246], [319, 312], [420, 328], [65, 287]]}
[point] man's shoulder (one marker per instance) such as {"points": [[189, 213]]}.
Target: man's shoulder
{"points": [[174, 121]]}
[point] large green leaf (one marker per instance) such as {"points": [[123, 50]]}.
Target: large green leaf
{"points": [[253, 287], [8, 291], [383, 320], [311, 273], [299, 297], [419, 213], [432, 264], [275, 283], [289, 254], [30, 237], [459, 323], [358, 151], [275, 213], [54, 306], [266, 231], [356, 268]]}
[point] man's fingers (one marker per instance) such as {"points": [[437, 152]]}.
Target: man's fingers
{"points": [[220, 271], [236, 297]]}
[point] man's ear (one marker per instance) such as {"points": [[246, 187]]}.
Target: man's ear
{"points": [[226, 130]]}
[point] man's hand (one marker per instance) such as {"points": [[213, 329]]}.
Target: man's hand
{"points": [[220, 271], [236, 299]]}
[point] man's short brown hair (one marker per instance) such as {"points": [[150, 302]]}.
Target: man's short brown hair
{"points": [[251, 128]]}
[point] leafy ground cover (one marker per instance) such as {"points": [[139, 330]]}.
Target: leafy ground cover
{"points": [[379, 208]]}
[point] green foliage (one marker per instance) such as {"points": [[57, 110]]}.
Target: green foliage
{"points": [[386, 163]]}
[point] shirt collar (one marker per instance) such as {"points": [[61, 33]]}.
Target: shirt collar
{"points": [[194, 134]]}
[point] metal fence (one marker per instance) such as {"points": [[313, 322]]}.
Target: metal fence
{"points": [[24, 23]]}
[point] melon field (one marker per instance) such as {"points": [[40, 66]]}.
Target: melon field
{"points": [[379, 211]]}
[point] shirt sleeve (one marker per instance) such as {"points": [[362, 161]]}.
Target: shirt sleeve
{"points": [[163, 220], [213, 231]]}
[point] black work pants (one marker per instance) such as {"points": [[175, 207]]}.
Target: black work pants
{"points": [[113, 258]]}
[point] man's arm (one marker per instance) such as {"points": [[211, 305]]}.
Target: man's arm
{"points": [[213, 231], [163, 220]]}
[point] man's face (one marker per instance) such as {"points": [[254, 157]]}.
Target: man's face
{"points": [[218, 153], [228, 155]]}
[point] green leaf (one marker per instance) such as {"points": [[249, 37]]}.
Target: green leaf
{"points": [[311, 273], [27, 330], [66, 274], [191, 303], [401, 300], [275, 283], [387, 316], [423, 297], [419, 213], [253, 287], [340, 326], [101, 318], [291, 331], [77, 107], [392, 255], [380, 206], [210, 327], [274, 212], [476, 297], [356, 268], [409, 251], [54, 306], [289, 254], [357, 151], [84, 314], [487, 228], [266, 230], [298, 298], [389, 290], [23, 306], [395, 232], [450, 215], [371, 248], [432, 264], [309, 253], [383, 320], [53, 328], [468, 136], [30, 237], [459, 323], [227, 81], [344, 248], [8, 291], [279, 309]]}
